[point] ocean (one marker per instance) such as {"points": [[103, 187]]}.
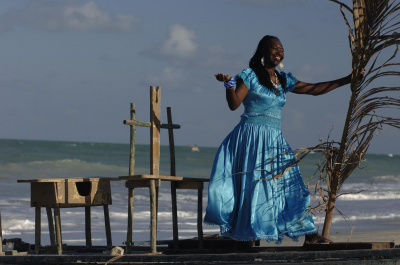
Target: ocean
{"points": [[371, 199]]}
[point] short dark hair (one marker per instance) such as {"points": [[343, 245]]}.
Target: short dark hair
{"points": [[258, 68]]}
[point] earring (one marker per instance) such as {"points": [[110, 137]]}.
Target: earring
{"points": [[262, 61], [281, 65]]}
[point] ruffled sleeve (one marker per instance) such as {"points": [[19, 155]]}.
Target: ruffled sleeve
{"points": [[291, 81], [246, 76]]}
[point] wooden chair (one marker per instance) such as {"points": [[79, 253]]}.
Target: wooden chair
{"points": [[153, 180]]}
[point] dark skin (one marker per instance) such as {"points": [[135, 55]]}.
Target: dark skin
{"points": [[274, 57]]}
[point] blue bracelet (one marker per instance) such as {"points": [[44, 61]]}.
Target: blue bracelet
{"points": [[230, 84]]}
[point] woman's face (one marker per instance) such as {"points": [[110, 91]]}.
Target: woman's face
{"points": [[274, 54]]}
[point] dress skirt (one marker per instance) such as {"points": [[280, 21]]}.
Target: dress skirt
{"points": [[246, 196]]}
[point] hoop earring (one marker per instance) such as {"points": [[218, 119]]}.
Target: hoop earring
{"points": [[281, 66]]}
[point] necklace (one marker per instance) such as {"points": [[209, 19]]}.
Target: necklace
{"points": [[275, 84]]}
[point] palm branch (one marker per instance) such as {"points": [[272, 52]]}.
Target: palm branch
{"points": [[371, 34]]}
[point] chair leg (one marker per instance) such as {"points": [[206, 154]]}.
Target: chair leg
{"points": [[200, 217], [175, 231], [129, 242], [37, 229], [108, 227], [51, 226], [153, 214]]}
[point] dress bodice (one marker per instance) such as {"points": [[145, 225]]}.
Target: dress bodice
{"points": [[261, 105]]}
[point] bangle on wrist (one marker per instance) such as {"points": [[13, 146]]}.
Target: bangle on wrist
{"points": [[230, 84]]}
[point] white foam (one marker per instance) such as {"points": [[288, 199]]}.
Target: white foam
{"points": [[18, 224], [370, 196]]}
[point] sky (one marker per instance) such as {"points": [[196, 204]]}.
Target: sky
{"points": [[71, 68]]}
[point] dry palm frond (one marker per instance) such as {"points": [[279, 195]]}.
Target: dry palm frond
{"points": [[372, 35]]}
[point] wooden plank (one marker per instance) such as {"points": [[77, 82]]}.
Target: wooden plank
{"points": [[132, 141], [57, 219], [194, 179], [37, 229], [155, 118], [148, 124], [67, 180], [107, 226], [134, 122], [51, 226], [189, 185], [153, 216], [88, 226], [144, 183], [144, 177], [131, 198]]}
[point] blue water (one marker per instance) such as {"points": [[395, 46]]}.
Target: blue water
{"points": [[376, 207]]}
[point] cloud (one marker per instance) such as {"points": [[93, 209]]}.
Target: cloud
{"points": [[180, 48], [76, 16], [179, 45]]}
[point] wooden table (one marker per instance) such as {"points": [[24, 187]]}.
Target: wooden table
{"points": [[66, 193]]}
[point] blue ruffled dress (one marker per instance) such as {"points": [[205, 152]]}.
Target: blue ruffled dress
{"points": [[245, 198]]}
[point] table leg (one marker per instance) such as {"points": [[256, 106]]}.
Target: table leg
{"points": [[108, 227], [51, 226], [88, 226], [57, 219], [37, 229]]}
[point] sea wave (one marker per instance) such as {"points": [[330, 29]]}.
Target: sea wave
{"points": [[370, 196], [59, 168], [18, 224], [388, 178]]}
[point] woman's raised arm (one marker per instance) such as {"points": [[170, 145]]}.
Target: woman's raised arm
{"points": [[234, 97]]}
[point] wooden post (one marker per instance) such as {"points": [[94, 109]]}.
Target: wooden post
{"points": [[37, 229], [88, 227], [131, 192], [200, 217], [155, 115], [132, 141], [51, 226], [57, 219], [108, 227], [175, 232], [155, 121], [153, 216]]}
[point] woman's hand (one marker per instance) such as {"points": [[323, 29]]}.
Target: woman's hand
{"points": [[222, 77]]}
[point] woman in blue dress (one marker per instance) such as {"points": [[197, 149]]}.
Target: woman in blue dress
{"points": [[256, 191]]}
